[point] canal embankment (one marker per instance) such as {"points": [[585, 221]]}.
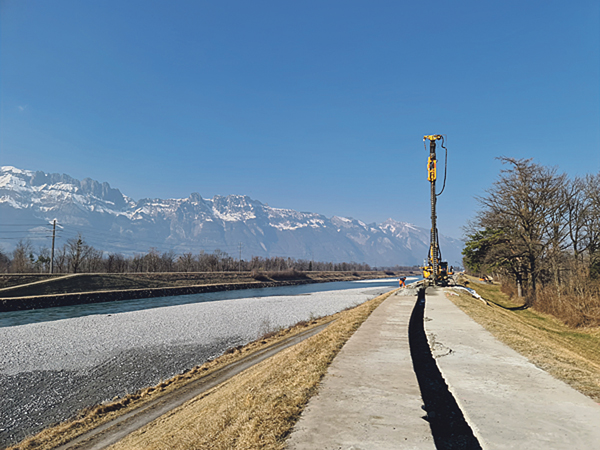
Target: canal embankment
{"points": [[76, 289]]}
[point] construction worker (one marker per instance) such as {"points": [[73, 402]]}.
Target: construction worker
{"points": [[402, 283]]}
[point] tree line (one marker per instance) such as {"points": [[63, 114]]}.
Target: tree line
{"points": [[539, 230], [76, 256]]}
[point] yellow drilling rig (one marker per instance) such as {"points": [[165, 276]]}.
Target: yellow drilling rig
{"points": [[434, 269]]}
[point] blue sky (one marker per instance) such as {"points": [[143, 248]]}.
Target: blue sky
{"points": [[317, 106]]}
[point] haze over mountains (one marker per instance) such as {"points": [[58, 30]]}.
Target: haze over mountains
{"points": [[113, 222]]}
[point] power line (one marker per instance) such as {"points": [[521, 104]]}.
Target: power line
{"points": [[20, 231], [22, 224], [34, 238]]}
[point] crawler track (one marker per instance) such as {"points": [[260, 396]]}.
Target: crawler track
{"points": [[115, 430]]}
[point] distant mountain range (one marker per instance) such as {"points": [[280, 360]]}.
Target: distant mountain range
{"points": [[113, 222]]}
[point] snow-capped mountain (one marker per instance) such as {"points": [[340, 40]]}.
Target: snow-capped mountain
{"points": [[113, 222]]}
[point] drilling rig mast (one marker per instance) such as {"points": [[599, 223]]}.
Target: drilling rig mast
{"points": [[434, 269]]}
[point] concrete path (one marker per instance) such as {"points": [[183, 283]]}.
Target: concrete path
{"points": [[508, 402], [369, 398]]}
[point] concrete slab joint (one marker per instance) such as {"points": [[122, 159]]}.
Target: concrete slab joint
{"points": [[508, 402], [370, 397]]}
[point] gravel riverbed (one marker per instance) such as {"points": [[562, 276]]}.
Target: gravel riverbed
{"points": [[51, 370]]}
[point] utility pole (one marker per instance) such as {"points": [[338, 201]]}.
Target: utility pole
{"points": [[52, 254], [240, 262]]}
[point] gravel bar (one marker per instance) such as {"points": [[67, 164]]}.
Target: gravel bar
{"points": [[51, 370]]}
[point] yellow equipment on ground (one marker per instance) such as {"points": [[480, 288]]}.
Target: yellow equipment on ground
{"points": [[434, 269]]}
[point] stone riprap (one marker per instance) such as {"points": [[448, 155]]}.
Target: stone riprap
{"points": [[51, 370]]}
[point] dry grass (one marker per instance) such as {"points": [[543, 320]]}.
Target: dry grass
{"points": [[576, 301], [273, 275], [571, 355], [576, 306], [259, 407], [98, 415], [93, 417]]}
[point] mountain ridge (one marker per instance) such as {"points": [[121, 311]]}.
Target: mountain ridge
{"points": [[115, 223]]}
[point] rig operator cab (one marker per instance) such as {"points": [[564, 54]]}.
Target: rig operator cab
{"points": [[434, 269]]}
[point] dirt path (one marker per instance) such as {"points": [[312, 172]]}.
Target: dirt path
{"points": [[113, 431]]}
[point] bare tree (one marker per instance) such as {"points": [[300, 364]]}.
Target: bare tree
{"points": [[186, 263], [578, 209], [42, 263], [116, 263], [559, 230], [61, 260], [94, 263], [592, 219], [138, 263], [152, 260], [77, 252], [167, 261], [522, 204], [4, 261], [23, 259]]}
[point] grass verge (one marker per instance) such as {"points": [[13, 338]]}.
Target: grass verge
{"points": [[253, 402], [571, 355]]}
